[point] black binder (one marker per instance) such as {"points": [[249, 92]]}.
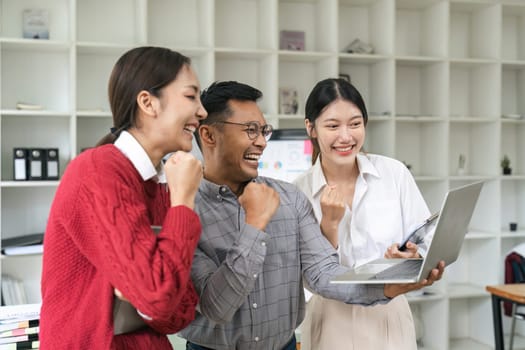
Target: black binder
{"points": [[51, 164], [35, 164], [23, 240], [19, 164]]}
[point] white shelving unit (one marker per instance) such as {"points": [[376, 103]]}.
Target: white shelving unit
{"points": [[441, 78]]}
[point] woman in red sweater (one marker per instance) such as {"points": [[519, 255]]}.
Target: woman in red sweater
{"points": [[99, 241]]}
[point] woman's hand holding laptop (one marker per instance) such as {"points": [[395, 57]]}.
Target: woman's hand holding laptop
{"points": [[410, 251], [393, 290]]}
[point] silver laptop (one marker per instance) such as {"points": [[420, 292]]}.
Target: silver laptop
{"points": [[451, 228]]}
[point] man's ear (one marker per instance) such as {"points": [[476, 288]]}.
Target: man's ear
{"points": [[310, 130], [147, 103], [206, 134]]}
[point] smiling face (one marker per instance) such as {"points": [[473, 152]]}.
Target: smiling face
{"points": [[235, 157], [178, 110], [340, 132]]}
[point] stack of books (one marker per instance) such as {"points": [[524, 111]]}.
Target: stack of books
{"points": [[19, 326]]}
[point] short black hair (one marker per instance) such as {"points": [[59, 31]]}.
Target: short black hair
{"points": [[215, 98]]}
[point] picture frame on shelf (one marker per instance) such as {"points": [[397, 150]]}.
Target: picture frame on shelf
{"points": [[35, 23], [288, 101], [292, 40]]}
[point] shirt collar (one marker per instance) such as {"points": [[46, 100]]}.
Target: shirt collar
{"points": [[214, 190], [319, 180], [134, 151], [366, 166]]}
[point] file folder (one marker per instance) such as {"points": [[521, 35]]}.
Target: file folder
{"points": [[51, 164], [36, 164], [19, 164]]}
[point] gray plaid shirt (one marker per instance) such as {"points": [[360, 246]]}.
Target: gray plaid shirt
{"points": [[250, 282]]}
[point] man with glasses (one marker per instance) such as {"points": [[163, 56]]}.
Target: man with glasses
{"points": [[259, 238]]}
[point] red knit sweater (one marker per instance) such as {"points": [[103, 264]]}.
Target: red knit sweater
{"points": [[98, 238]]}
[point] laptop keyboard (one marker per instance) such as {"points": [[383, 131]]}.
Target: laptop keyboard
{"points": [[406, 269]]}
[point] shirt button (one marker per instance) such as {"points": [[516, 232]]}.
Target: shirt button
{"points": [[254, 275], [263, 244], [223, 189], [256, 339], [254, 305]]}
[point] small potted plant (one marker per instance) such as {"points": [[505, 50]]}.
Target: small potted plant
{"points": [[505, 165]]}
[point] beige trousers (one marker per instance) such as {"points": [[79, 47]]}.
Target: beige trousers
{"points": [[331, 324]]}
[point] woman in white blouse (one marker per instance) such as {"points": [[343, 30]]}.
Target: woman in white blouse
{"points": [[366, 204]]}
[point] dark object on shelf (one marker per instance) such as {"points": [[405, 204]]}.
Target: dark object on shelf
{"points": [[505, 165], [34, 238], [51, 165], [461, 164], [513, 226], [291, 40], [35, 164], [19, 164], [22, 245]]}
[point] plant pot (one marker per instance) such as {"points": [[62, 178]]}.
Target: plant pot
{"points": [[507, 171]]}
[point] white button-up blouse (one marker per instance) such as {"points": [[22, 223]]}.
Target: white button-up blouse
{"points": [[387, 205]]}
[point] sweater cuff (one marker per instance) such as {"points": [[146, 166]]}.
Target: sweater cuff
{"points": [[184, 221]]}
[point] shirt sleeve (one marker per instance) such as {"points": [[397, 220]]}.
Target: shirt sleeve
{"points": [[320, 263], [224, 288], [111, 227]]}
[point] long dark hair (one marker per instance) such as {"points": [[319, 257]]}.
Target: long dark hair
{"points": [[143, 68], [325, 92]]}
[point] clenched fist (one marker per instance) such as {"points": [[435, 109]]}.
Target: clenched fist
{"points": [[260, 203], [333, 210], [184, 173]]}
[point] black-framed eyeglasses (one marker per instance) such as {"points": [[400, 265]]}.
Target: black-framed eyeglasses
{"points": [[253, 129]]}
